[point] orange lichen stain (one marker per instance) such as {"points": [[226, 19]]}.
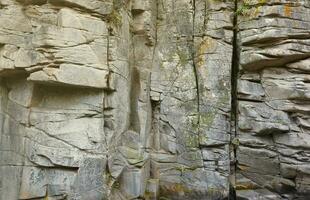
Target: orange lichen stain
{"points": [[246, 186], [177, 188], [287, 11], [46, 195], [206, 46], [180, 188], [262, 1], [243, 167]]}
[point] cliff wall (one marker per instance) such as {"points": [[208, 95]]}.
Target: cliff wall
{"points": [[154, 99]]}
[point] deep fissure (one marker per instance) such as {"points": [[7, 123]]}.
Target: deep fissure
{"points": [[234, 101]]}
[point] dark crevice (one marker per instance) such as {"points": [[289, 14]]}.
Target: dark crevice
{"points": [[234, 100], [155, 105], [195, 67], [193, 60], [32, 2], [250, 100], [108, 123], [134, 98], [195, 70]]}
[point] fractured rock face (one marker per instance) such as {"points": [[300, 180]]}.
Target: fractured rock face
{"points": [[142, 99], [273, 103]]}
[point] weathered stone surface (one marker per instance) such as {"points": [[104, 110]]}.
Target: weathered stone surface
{"points": [[154, 99], [273, 106]]}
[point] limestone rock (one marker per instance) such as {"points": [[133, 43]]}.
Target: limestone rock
{"points": [[154, 99], [274, 44]]}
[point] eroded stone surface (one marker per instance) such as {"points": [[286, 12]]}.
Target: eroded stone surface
{"points": [[273, 104], [134, 99]]}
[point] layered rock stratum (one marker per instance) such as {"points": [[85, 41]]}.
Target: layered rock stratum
{"points": [[154, 99]]}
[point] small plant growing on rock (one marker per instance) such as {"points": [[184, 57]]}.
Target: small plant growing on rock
{"points": [[249, 7]]}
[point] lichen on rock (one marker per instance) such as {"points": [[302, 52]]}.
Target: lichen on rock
{"points": [[154, 99]]}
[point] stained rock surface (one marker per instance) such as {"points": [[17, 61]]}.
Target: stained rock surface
{"points": [[273, 101], [154, 99]]}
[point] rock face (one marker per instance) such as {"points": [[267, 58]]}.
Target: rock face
{"points": [[154, 99], [273, 101]]}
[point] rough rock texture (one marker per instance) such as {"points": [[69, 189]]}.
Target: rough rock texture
{"points": [[154, 99], [274, 101]]}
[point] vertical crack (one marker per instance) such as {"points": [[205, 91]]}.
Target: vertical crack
{"points": [[155, 105], [234, 102], [195, 70], [156, 31], [193, 59], [194, 63]]}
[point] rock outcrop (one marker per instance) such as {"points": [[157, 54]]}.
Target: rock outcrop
{"points": [[154, 99], [273, 100]]}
